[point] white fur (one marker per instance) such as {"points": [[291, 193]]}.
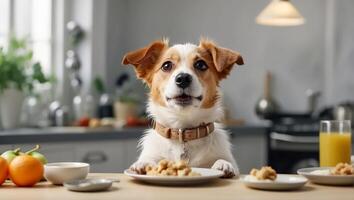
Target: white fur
{"points": [[212, 151], [195, 89]]}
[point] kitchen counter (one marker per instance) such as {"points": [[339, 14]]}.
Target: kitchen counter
{"points": [[73, 134], [114, 150], [128, 188]]}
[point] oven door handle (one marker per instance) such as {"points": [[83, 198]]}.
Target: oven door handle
{"points": [[293, 139]]}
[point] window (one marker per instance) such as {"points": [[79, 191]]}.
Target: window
{"points": [[31, 19], [4, 21]]}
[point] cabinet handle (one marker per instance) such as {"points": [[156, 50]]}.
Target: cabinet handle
{"points": [[294, 139], [95, 157]]}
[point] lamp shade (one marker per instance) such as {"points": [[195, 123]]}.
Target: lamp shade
{"points": [[280, 13]]}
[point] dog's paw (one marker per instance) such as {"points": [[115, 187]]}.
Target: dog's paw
{"points": [[139, 166], [226, 167]]}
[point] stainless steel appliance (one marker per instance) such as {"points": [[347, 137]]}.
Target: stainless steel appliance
{"points": [[293, 144]]}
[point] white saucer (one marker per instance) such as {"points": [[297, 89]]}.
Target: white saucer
{"points": [[283, 182], [88, 185], [206, 176]]}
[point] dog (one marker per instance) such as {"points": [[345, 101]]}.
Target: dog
{"points": [[185, 104]]}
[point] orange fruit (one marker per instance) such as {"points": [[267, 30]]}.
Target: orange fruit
{"points": [[4, 170], [25, 170]]}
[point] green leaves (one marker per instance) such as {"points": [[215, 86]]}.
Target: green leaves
{"points": [[17, 69], [99, 86], [11, 68], [38, 74]]}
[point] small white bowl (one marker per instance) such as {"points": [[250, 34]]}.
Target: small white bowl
{"points": [[60, 172]]}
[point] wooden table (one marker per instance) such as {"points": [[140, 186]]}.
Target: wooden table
{"points": [[128, 188]]}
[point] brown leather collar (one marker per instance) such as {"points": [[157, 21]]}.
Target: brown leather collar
{"points": [[184, 135]]}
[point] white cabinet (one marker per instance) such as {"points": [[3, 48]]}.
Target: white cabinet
{"points": [[131, 152], [106, 156], [103, 155]]}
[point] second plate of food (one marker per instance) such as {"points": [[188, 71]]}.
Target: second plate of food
{"points": [[206, 175], [322, 175], [282, 182]]}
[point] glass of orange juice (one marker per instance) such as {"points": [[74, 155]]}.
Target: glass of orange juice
{"points": [[335, 142]]}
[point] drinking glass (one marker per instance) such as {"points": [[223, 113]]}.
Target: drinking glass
{"points": [[335, 142]]}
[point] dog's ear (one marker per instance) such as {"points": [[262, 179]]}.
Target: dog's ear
{"points": [[144, 58], [223, 59]]}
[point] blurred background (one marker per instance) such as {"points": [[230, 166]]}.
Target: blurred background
{"points": [[62, 83]]}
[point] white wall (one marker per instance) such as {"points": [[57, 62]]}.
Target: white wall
{"points": [[343, 62], [296, 55]]}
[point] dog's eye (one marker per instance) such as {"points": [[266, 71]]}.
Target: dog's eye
{"points": [[167, 66], [200, 65]]}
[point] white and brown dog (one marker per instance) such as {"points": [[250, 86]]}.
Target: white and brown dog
{"points": [[185, 104]]}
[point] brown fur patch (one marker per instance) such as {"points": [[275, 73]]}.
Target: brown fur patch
{"points": [[223, 59], [144, 59]]}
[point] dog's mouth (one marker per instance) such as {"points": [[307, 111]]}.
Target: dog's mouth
{"points": [[184, 99]]}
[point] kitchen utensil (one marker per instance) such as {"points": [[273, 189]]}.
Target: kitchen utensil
{"points": [[206, 176], [62, 117], [76, 33], [320, 176], [84, 106], [105, 106], [282, 182], [76, 82], [266, 105], [78, 107], [344, 111], [53, 107], [31, 111], [88, 185], [60, 172], [72, 61], [312, 97]]}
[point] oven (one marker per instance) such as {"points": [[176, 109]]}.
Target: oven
{"points": [[293, 144]]}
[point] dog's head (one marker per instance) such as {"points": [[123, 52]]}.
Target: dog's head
{"points": [[183, 75]]}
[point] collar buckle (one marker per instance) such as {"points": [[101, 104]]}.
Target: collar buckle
{"points": [[207, 128], [153, 124], [180, 135]]}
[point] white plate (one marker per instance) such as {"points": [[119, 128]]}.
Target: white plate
{"points": [[283, 182], [206, 176], [326, 179]]}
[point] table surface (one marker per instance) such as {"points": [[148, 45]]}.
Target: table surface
{"points": [[128, 188]]}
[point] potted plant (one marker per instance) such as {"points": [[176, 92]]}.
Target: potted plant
{"points": [[126, 106], [18, 76]]}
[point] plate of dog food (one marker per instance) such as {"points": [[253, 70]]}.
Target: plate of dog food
{"points": [[175, 173], [341, 174], [266, 178]]}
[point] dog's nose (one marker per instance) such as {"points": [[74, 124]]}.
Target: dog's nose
{"points": [[183, 80]]}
